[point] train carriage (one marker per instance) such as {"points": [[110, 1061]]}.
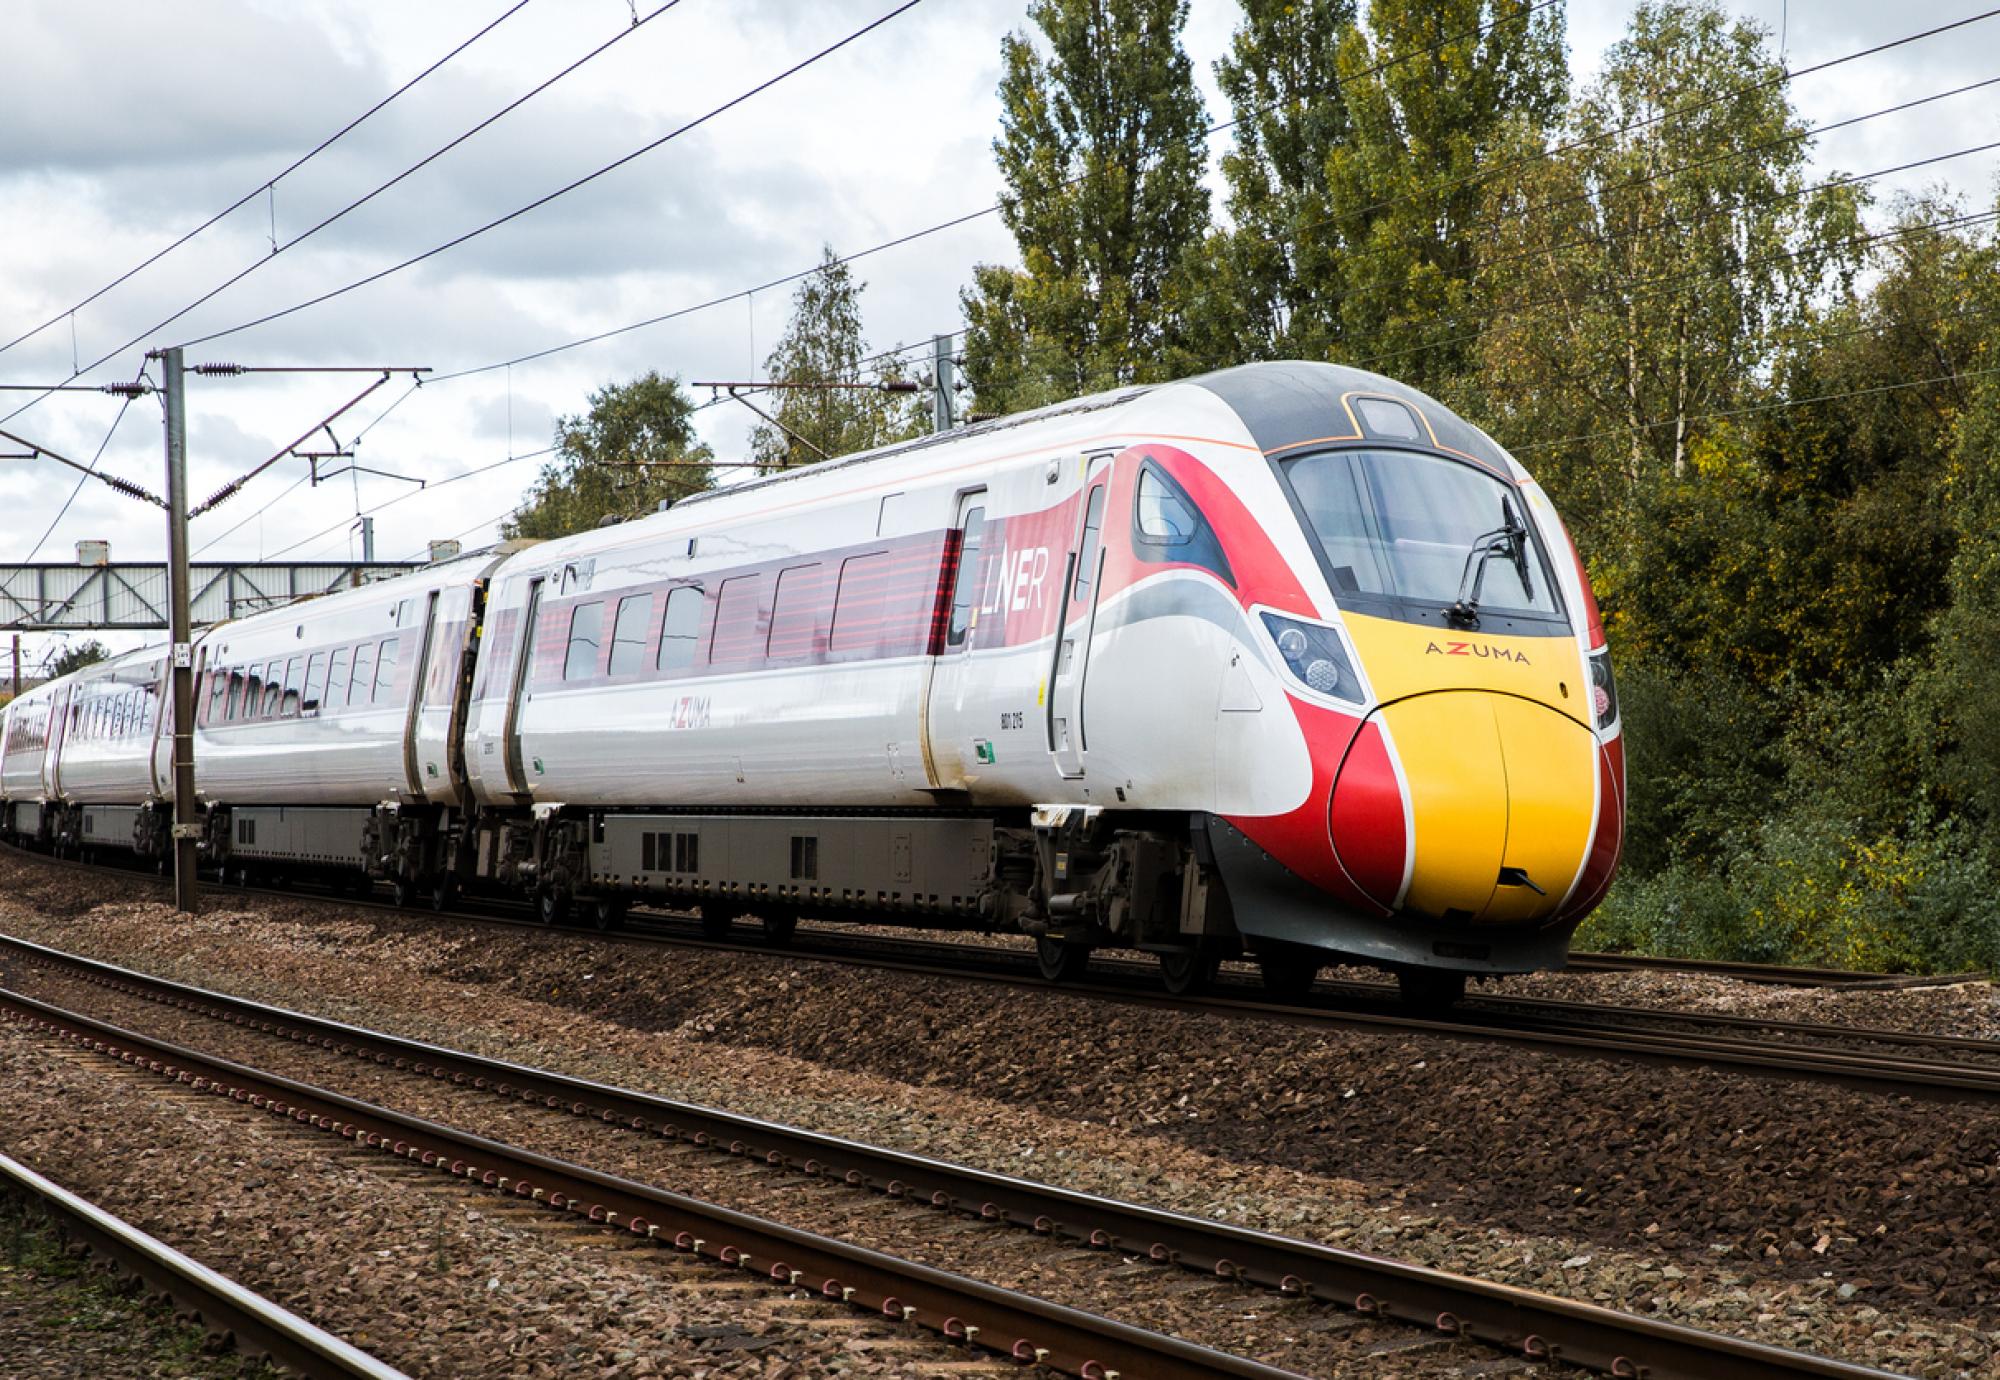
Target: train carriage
{"points": [[1286, 661]]}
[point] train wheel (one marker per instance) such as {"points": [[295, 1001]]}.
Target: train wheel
{"points": [[1060, 960], [552, 906], [403, 892], [1288, 977], [715, 921], [238, 875], [443, 892], [780, 926], [608, 912], [1429, 989], [1189, 971]]}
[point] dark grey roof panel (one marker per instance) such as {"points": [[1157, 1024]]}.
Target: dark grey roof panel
{"points": [[1291, 403]]}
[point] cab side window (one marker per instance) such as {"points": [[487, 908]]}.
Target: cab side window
{"points": [[1167, 528]]}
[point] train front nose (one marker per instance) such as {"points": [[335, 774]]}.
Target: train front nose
{"points": [[1495, 794]]}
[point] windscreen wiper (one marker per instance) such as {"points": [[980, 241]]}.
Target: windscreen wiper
{"points": [[1510, 540]]}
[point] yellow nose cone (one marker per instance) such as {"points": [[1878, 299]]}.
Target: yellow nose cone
{"points": [[1502, 792]]}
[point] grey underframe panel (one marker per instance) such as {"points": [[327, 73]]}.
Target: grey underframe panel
{"points": [[897, 862], [286, 833]]}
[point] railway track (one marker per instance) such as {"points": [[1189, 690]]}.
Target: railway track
{"points": [[1902, 1063], [253, 1324], [1770, 974], [1525, 1324], [980, 1317]]}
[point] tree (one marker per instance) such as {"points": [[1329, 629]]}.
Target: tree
{"points": [[1436, 92], [1101, 149], [1649, 270], [647, 420], [78, 656], [1267, 285], [823, 343]]}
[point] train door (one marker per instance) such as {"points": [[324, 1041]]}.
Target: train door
{"points": [[426, 649], [1068, 738], [948, 745], [161, 757], [517, 697], [52, 747]]}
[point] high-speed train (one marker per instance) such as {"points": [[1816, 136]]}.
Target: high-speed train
{"points": [[1286, 662]]}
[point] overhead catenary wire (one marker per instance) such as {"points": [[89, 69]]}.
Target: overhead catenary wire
{"points": [[260, 262], [1775, 405], [83, 478], [446, 482], [268, 186], [1643, 286], [568, 187], [968, 217], [1783, 77]]}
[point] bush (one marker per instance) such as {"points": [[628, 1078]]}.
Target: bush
{"points": [[1810, 891]]}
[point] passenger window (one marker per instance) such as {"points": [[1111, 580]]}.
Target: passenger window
{"points": [[361, 688], [586, 630], [385, 671], [1086, 561], [274, 689], [739, 621], [1167, 527], [795, 622], [965, 589], [218, 693], [628, 634], [315, 683], [681, 628], [295, 684], [253, 694], [235, 694], [336, 681], [860, 603]]}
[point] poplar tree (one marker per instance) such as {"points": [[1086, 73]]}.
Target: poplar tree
{"points": [[1267, 285], [1433, 91], [596, 473], [1101, 150], [823, 343]]}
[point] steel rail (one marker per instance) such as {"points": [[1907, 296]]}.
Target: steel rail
{"points": [[1580, 1035], [1772, 974], [966, 1311], [1521, 1321], [256, 1325]]}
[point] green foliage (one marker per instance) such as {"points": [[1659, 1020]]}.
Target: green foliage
{"points": [[1263, 288], [1432, 104], [823, 343], [1669, 247], [77, 656], [1760, 404], [1101, 152], [647, 421]]}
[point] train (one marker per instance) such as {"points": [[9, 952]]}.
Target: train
{"points": [[1286, 663]]}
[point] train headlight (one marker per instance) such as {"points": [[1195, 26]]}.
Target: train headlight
{"points": [[1603, 688], [1314, 654]]}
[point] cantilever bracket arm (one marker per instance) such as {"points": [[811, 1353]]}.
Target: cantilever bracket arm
{"points": [[110, 481], [228, 490], [735, 391]]}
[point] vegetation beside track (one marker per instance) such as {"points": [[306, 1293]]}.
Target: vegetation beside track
{"points": [[103, 1326]]}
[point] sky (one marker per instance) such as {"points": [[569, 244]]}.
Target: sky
{"points": [[124, 126]]}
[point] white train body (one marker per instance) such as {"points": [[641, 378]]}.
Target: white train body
{"points": [[1195, 668]]}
